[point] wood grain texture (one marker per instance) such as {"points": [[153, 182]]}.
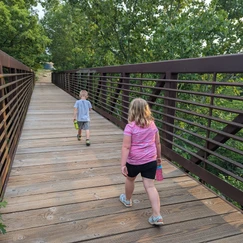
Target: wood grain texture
{"points": [[61, 191]]}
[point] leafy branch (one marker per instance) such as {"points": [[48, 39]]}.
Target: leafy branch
{"points": [[2, 226]]}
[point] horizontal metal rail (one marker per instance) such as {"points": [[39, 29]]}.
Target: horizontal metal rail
{"points": [[16, 87], [197, 105]]}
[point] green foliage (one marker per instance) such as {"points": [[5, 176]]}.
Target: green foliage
{"points": [[233, 7], [88, 33], [232, 181], [2, 226], [21, 35], [197, 31]]}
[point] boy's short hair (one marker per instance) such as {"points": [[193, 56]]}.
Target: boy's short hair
{"points": [[83, 93]]}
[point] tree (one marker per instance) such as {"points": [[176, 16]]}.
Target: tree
{"points": [[232, 7], [113, 32], [21, 35]]}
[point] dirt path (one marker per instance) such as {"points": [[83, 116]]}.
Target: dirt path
{"points": [[43, 76]]}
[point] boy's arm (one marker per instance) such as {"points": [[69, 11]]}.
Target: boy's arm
{"points": [[75, 114]]}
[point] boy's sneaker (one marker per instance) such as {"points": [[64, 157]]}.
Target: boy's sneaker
{"points": [[87, 142], [158, 220], [124, 201], [78, 137]]}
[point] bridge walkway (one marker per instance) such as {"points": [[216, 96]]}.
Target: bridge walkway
{"points": [[61, 191]]}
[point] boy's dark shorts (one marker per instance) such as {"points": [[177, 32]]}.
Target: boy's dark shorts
{"points": [[83, 125], [147, 170]]}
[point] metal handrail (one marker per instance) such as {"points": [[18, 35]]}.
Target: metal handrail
{"points": [[197, 107], [16, 87]]}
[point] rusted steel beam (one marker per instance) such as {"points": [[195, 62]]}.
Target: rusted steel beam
{"points": [[9, 62], [169, 105], [155, 92], [220, 138], [117, 93], [220, 64]]}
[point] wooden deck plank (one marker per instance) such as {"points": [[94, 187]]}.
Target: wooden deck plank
{"points": [[52, 142], [171, 190], [232, 239], [203, 229], [61, 191], [78, 168], [68, 180], [76, 146], [62, 133], [91, 210], [61, 123], [199, 230]]}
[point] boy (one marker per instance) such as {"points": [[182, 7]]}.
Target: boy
{"points": [[82, 108]]}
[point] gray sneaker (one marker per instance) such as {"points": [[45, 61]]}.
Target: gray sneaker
{"points": [[124, 201], [156, 220]]}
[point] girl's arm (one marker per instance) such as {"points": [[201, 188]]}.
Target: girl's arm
{"points": [[158, 147], [126, 145]]}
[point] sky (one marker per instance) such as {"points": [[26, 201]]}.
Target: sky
{"points": [[40, 11]]}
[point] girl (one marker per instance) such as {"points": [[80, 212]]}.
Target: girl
{"points": [[141, 151]]}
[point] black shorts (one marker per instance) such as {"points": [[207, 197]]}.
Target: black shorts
{"points": [[147, 170]]}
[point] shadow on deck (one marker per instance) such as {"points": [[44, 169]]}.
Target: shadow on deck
{"points": [[61, 191]]}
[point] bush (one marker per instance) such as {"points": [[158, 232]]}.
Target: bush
{"points": [[2, 226]]}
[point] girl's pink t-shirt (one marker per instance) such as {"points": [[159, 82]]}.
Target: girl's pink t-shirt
{"points": [[143, 147]]}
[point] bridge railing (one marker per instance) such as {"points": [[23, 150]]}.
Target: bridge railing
{"points": [[16, 86], [197, 105]]}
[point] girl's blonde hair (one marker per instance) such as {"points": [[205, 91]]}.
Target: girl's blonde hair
{"points": [[140, 113], [83, 93]]}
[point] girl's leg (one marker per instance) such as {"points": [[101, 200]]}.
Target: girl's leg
{"points": [[129, 187], [153, 195]]}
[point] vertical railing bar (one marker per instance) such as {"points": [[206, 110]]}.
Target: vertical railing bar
{"points": [[170, 111], [125, 95]]}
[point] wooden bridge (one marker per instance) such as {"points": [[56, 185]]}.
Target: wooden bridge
{"points": [[61, 191], [58, 190]]}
